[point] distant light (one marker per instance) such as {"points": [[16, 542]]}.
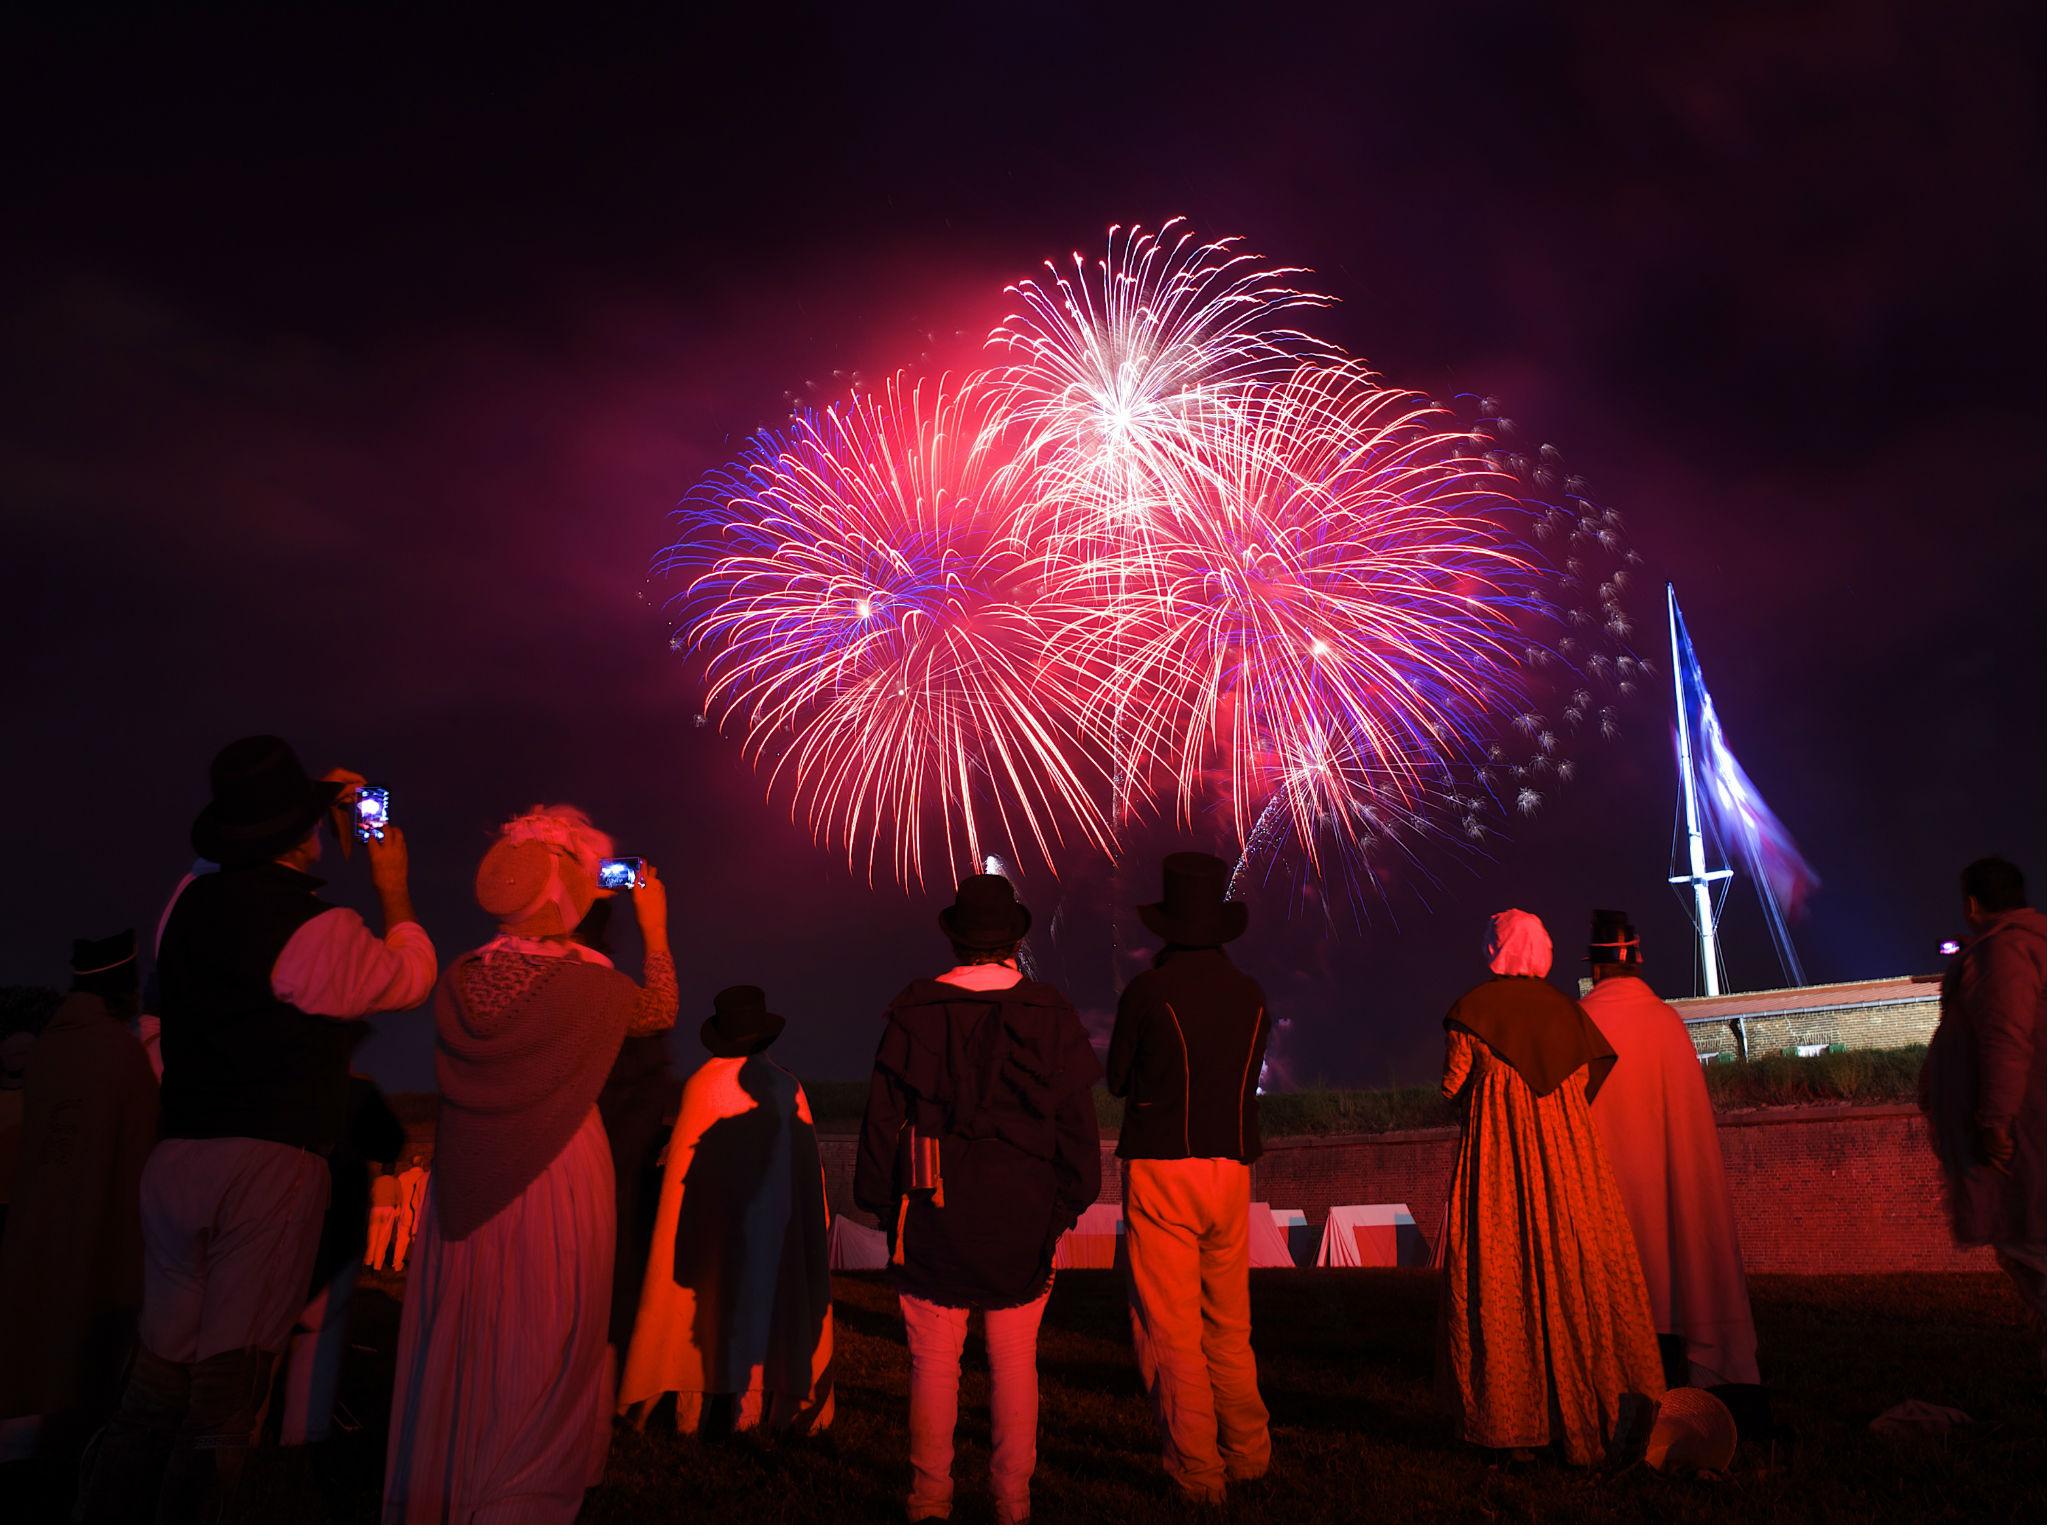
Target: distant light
{"points": [[1951, 947]]}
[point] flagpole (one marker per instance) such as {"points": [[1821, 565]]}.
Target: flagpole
{"points": [[1700, 878]]}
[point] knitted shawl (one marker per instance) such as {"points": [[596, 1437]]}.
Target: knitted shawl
{"points": [[522, 1045]]}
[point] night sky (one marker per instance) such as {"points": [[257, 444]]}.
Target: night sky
{"points": [[356, 359]]}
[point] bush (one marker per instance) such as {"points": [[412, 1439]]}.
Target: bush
{"points": [[1848, 1077], [1845, 1077]]}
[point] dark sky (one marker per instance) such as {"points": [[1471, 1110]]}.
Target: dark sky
{"points": [[355, 359]]}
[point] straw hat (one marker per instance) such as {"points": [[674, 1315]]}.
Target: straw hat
{"points": [[540, 877]]}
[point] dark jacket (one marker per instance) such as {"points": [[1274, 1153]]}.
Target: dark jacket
{"points": [[1003, 1080], [237, 1061], [1989, 1060], [1190, 1036]]}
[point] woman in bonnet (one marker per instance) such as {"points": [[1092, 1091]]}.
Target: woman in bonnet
{"points": [[500, 1413], [1544, 1325]]}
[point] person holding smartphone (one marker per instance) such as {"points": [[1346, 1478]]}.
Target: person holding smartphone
{"points": [[260, 982], [500, 1409]]}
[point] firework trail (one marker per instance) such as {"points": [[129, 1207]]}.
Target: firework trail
{"points": [[1116, 375], [869, 617], [1329, 615]]}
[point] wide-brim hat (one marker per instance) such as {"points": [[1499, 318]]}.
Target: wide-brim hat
{"points": [[740, 1023], [985, 914], [1193, 911], [263, 804], [105, 962], [535, 889]]}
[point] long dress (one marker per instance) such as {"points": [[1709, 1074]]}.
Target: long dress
{"points": [[737, 1301], [1656, 1125], [499, 1413], [1545, 1323]]}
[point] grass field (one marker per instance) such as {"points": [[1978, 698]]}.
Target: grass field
{"points": [[1345, 1359]]}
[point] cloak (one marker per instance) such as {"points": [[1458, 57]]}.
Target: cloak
{"points": [[737, 1299], [1656, 1124], [71, 1262]]}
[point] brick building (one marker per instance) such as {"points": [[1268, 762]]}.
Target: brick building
{"points": [[1846, 1015]]}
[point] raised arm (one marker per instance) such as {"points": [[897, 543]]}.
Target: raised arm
{"points": [[659, 999]]}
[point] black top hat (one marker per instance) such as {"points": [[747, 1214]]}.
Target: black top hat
{"points": [[263, 804], [104, 958], [740, 1023], [1613, 940], [1194, 912], [985, 914]]}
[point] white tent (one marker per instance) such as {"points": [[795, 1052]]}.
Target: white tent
{"points": [[1371, 1237], [1299, 1237], [1269, 1241], [853, 1246], [1094, 1240]]}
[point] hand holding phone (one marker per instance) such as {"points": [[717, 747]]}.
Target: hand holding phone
{"points": [[390, 866], [650, 906], [621, 874], [373, 811]]}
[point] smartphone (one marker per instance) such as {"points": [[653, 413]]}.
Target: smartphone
{"points": [[373, 811], [620, 874]]}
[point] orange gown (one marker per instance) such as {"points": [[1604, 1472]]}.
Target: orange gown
{"points": [[1545, 1320]]}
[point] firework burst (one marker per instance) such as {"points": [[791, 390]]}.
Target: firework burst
{"points": [[1169, 550], [1328, 610], [1118, 375], [869, 616]]}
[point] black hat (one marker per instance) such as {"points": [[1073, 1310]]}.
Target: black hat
{"points": [[1614, 940], [740, 1023], [263, 803], [104, 958], [1193, 911], [985, 914]]}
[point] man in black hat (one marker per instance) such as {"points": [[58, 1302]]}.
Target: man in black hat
{"points": [[1190, 1037], [979, 1150], [1656, 1125], [71, 1261], [260, 983]]}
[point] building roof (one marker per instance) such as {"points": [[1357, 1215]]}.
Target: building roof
{"points": [[1834, 994]]}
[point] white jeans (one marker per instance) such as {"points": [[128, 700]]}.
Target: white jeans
{"points": [[937, 1334]]}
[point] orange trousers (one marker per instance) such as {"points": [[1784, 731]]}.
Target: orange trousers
{"points": [[1187, 1230]]}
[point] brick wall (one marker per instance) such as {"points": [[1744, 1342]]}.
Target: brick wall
{"points": [[1857, 1029], [1838, 1190]]}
